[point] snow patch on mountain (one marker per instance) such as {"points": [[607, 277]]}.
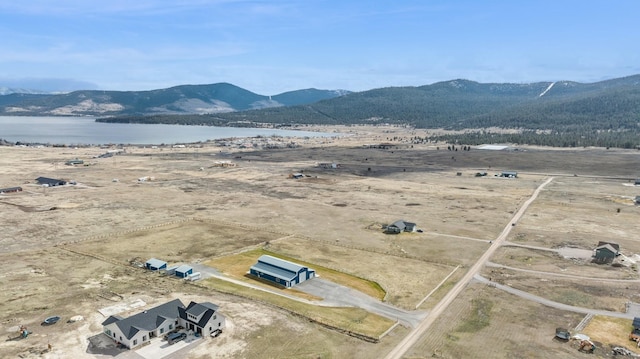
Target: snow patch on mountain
{"points": [[547, 90], [193, 105], [87, 106]]}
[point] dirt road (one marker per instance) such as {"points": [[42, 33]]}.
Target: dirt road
{"points": [[418, 331]]}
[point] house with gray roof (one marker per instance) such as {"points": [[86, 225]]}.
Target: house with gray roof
{"points": [[400, 226], [202, 318], [140, 328], [280, 271]]}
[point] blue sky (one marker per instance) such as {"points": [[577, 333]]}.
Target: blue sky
{"points": [[270, 47]]}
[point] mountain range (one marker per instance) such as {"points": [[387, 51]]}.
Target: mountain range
{"points": [[185, 99], [611, 105]]}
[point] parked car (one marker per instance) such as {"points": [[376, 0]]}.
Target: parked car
{"points": [[51, 320], [216, 333], [176, 337]]}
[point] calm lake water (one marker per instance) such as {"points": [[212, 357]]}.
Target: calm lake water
{"points": [[85, 131]]}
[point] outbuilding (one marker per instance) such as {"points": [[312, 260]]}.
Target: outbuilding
{"points": [[155, 264], [280, 271], [605, 253], [183, 271]]}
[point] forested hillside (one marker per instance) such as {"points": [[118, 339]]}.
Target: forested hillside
{"points": [[564, 113]]}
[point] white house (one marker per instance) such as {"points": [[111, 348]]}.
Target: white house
{"points": [[202, 318], [140, 328]]}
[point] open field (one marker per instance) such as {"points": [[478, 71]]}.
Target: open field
{"points": [[476, 326], [68, 250]]}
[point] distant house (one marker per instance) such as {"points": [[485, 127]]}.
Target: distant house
{"points": [[328, 165], [400, 226], [280, 271], [140, 328], [74, 162], [11, 190], [637, 182], [50, 182], [155, 264], [509, 174], [606, 252]]}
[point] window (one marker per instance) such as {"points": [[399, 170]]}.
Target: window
{"points": [[107, 332], [161, 330], [135, 342], [170, 326], [144, 338], [215, 316], [114, 335], [219, 324]]}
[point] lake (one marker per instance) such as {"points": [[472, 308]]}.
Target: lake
{"points": [[85, 131]]}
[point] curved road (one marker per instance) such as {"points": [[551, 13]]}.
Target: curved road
{"points": [[552, 304], [418, 331]]}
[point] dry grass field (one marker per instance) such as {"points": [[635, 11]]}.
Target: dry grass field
{"points": [[68, 250]]}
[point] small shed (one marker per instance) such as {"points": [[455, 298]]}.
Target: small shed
{"points": [[155, 264], [637, 182], [171, 270], [605, 253], [183, 271]]}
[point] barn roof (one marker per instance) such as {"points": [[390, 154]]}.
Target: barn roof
{"points": [[277, 267]]}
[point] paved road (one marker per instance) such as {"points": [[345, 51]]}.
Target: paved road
{"points": [[417, 332], [550, 303], [341, 296]]}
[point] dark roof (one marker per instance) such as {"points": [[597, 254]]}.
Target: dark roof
{"points": [[111, 319], [148, 320], [11, 189], [46, 180], [402, 224], [198, 309], [399, 224], [636, 322], [612, 244]]}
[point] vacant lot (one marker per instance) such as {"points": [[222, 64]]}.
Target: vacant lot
{"points": [[67, 250]]}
